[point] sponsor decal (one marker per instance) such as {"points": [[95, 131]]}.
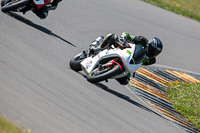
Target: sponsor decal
{"points": [[128, 52], [88, 65]]}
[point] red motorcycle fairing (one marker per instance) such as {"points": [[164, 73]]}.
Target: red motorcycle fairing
{"points": [[40, 3]]}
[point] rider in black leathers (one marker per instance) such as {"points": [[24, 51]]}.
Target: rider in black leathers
{"points": [[152, 47]]}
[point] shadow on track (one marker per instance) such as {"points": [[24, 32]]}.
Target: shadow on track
{"points": [[124, 97], [38, 27]]}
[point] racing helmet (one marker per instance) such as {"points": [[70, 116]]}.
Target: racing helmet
{"points": [[154, 47]]}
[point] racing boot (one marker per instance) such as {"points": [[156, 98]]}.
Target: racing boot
{"points": [[42, 13], [54, 4], [110, 39]]}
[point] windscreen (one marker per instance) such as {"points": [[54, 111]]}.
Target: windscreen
{"points": [[138, 55]]}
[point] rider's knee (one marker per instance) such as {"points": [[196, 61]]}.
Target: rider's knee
{"points": [[123, 80]]}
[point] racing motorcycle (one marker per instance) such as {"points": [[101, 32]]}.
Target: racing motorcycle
{"points": [[22, 5], [109, 62]]}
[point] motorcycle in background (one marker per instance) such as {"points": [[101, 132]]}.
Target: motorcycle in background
{"points": [[22, 5]]}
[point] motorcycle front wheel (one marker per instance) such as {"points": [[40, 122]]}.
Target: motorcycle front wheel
{"points": [[98, 75], [75, 62], [12, 5]]}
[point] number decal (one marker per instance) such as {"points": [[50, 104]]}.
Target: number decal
{"points": [[39, 2]]}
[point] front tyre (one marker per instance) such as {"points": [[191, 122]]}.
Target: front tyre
{"points": [[98, 75], [12, 5], [75, 62]]}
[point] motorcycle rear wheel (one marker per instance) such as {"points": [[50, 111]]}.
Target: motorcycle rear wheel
{"points": [[3, 2], [75, 62], [12, 5], [103, 75]]}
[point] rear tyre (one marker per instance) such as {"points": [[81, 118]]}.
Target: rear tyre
{"points": [[103, 75], [75, 62], [12, 5], [3, 2]]}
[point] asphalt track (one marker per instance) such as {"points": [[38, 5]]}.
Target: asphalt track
{"points": [[39, 91]]}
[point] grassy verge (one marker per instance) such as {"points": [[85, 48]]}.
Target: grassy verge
{"points": [[7, 127], [189, 8], [186, 100]]}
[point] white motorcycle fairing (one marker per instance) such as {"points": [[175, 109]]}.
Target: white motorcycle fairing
{"points": [[90, 63]]}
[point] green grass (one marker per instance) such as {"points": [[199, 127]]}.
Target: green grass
{"points": [[189, 8], [7, 127], [186, 100]]}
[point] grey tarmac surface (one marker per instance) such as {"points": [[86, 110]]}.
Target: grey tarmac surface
{"points": [[39, 91]]}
